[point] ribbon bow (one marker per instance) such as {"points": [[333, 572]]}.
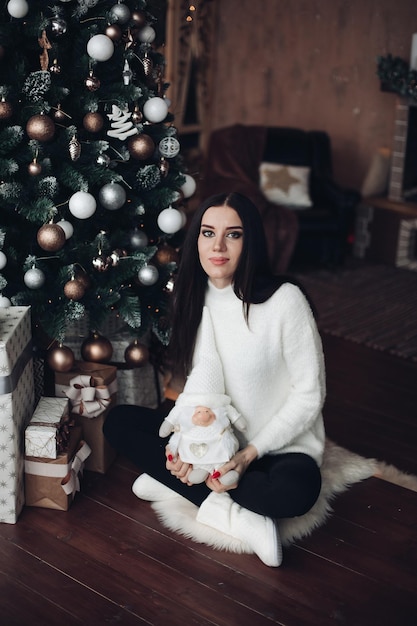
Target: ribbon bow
{"points": [[71, 482], [86, 399]]}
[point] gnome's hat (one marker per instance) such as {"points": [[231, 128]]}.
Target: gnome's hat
{"points": [[205, 384]]}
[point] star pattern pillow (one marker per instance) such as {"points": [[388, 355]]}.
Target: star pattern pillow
{"points": [[285, 184]]}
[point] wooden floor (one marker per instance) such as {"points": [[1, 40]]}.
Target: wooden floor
{"points": [[108, 560]]}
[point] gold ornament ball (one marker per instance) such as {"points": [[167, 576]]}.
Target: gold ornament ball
{"points": [[137, 354], [40, 127], [6, 110], [97, 349], [60, 359], [141, 147], [74, 290], [34, 168], [51, 237], [166, 254], [93, 122]]}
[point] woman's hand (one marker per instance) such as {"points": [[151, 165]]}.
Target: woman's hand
{"points": [[177, 467], [240, 463]]}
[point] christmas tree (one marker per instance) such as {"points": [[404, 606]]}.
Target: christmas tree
{"points": [[91, 175]]}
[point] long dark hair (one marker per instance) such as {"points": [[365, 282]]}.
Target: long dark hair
{"points": [[253, 281]]}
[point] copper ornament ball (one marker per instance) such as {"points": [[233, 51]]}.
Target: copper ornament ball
{"points": [[92, 83], [141, 147], [51, 237], [40, 127], [93, 122], [100, 263], [6, 110], [139, 18], [34, 168], [166, 254], [84, 279], [59, 115], [97, 349], [114, 32], [60, 359], [137, 354], [74, 290]]}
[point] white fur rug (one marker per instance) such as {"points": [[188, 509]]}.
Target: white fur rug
{"points": [[340, 469]]}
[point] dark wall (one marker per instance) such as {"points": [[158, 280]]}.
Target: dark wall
{"points": [[312, 64]]}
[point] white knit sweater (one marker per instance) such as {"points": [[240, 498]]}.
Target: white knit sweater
{"points": [[273, 369]]}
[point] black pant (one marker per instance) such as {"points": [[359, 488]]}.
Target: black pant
{"points": [[282, 485]]}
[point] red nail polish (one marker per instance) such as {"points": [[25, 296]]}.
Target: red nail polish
{"points": [[216, 475], [170, 457]]}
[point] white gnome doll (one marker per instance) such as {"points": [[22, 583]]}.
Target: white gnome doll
{"points": [[201, 420]]}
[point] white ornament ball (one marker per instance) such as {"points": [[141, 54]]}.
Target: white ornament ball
{"points": [[3, 260], [34, 278], [17, 8], [112, 196], [169, 147], [189, 187], [4, 302], [100, 48], [82, 205], [67, 227], [170, 220], [155, 109], [147, 34], [148, 275]]}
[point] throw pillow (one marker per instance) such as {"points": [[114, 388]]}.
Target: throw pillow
{"points": [[286, 184]]}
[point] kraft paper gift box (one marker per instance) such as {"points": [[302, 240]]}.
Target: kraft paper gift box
{"points": [[92, 391], [53, 483], [48, 430], [17, 401]]}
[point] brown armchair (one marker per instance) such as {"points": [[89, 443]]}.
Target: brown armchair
{"points": [[318, 234]]}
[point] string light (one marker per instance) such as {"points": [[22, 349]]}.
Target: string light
{"points": [[191, 10]]}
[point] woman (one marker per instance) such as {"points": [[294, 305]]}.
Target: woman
{"points": [[273, 368]]}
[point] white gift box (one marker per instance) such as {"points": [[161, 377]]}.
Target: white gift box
{"points": [[42, 434], [16, 406]]}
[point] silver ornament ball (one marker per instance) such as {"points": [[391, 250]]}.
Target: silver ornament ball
{"points": [[34, 278], [58, 26], [137, 239], [112, 196], [148, 275], [120, 13]]}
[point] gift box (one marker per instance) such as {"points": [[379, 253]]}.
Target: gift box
{"points": [[48, 430], [16, 406], [92, 391], [53, 483], [142, 386]]}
